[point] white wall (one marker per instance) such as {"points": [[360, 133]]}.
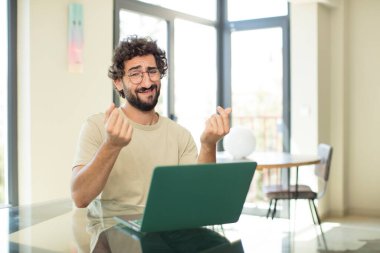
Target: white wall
{"points": [[363, 68], [339, 40], [304, 78], [53, 103], [336, 197]]}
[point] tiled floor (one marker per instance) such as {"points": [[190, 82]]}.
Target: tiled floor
{"points": [[349, 235]]}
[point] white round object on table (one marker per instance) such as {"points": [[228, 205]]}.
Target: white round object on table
{"points": [[239, 142]]}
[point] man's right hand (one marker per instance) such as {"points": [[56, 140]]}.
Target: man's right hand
{"points": [[119, 130], [89, 180]]}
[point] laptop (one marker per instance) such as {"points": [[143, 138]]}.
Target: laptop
{"points": [[190, 196]]}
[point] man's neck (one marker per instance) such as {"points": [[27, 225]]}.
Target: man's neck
{"points": [[138, 116]]}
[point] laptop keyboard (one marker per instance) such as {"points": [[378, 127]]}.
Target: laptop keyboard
{"points": [[137, 222]]}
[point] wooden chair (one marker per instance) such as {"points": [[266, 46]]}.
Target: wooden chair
{"points": [[300, 191]]}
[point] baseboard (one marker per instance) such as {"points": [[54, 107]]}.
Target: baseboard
{"points": [[364, 212], [335, 213]]}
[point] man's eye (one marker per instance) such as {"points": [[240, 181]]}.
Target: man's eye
{"points": [[153, 71], [134, 74]]}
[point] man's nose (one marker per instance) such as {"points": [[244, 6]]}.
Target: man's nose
{"points": [[145, 82]]}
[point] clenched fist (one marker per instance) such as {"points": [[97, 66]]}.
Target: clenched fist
{"points": [[217, 126], [119, 131]]}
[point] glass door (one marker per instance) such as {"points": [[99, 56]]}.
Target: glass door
{"points": [[257, 87], [195, 75]]}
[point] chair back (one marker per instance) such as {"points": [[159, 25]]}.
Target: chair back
{"points": [[322, 169]]}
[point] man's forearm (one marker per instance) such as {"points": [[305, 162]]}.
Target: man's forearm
{"points": [[88, 181], [207, 154]]}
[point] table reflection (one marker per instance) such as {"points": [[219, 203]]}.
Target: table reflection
{"points": [[60, 227], [122, 239], [109, 236]]}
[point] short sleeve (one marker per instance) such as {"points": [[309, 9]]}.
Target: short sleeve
{"points": [[91, 137], [188, 150]]}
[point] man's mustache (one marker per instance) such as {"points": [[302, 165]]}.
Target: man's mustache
{"points": [[143, 89]]}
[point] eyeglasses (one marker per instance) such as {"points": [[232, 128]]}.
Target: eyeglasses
{"points": [[136, 77]]}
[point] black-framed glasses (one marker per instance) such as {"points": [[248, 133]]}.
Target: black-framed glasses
{"points": [[137, 76]]}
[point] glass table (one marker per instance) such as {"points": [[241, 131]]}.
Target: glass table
{"points": [[60, 227]]}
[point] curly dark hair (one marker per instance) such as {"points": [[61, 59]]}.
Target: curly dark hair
{"points": [[136, 46]]}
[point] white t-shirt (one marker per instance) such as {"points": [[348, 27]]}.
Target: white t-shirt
{"points": [[164, 143]]}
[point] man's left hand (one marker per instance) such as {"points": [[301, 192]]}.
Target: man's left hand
{"points": [[217, 126]]}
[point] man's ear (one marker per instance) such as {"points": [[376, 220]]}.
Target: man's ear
{"points": [[118, 84]]}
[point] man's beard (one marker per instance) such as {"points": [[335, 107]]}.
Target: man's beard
{"points": [[136, 102]]}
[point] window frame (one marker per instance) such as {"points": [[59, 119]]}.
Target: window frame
{"points": [[224, 28], [263, 23], [12, 143]]}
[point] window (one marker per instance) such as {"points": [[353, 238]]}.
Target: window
{"points": [[255, 9], [201, 8], [257, 94], [3, 102], [257, 85], [195, 75], [260, 83], [241, 60]]}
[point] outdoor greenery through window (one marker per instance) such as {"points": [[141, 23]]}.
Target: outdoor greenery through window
{"points": [[3, 101]]}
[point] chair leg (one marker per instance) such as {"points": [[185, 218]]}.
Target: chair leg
{"points": [[312, 211], [316, 214], [269, 209], [274, 208]]}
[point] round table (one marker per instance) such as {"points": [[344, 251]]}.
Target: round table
{"points": [[273, 160]]}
